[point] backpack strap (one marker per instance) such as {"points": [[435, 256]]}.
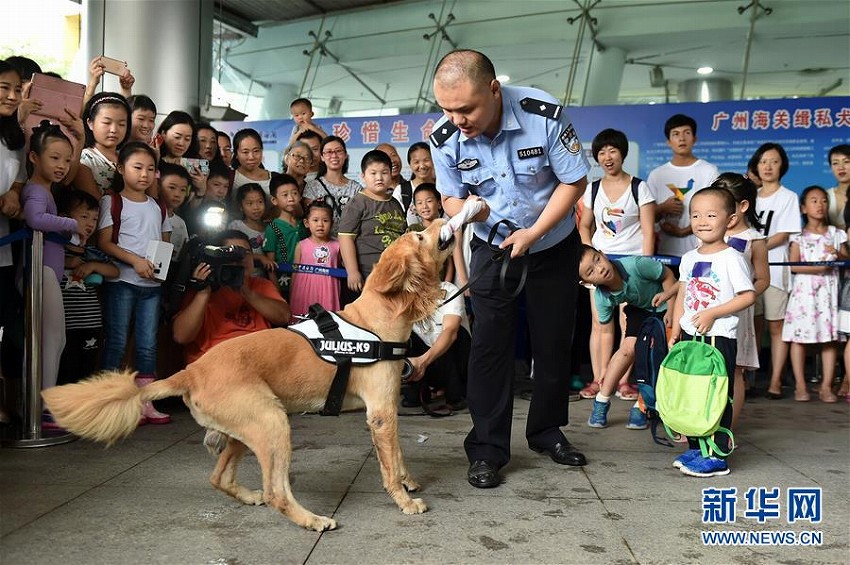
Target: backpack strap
{"points": [[594, 191], [281, 242], [406, 194], [708, 446], [635, 184], [117, 206], [330, 198]]}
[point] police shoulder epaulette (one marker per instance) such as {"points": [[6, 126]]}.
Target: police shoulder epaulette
{"points": [[545, 109], [442, 134]]}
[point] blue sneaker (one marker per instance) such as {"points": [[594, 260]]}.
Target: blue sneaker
{"points": [[599, 415], [705, 467], [637, 419], [686, 458]]}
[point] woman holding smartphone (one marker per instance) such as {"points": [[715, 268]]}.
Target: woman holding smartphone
{"points": [[177, 140]]}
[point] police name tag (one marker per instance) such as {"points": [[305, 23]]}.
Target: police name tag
{"points": [[467, 164], [529, 152]]}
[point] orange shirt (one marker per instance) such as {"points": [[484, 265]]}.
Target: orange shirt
{"points": [[229, 315]]}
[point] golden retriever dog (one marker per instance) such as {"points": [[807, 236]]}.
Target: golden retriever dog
{"points": [[245, 386]]}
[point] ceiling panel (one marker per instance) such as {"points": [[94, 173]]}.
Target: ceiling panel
{"points": [[801, 48]]}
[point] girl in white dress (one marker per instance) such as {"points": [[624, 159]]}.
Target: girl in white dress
{"points": [[812, 314]]}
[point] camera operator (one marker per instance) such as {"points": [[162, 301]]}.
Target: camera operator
{"points": [[211, 315]]}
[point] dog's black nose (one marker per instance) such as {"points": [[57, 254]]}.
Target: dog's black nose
{"points": [[446, 244]]}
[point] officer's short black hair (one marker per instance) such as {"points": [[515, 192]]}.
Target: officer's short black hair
{"points": [[375, 156], [677, 121], [466, 63], [612, 137]]}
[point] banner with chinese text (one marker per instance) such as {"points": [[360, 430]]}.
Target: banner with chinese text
{"points": [[728, 133]]}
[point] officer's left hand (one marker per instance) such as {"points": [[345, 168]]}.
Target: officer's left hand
{"points": [[521, 239]]}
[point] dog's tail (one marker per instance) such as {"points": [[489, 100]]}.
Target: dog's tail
{"points": [[108, 406]]}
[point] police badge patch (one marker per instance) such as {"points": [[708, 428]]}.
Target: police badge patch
{"points": [[467, 164], [569, 139]]}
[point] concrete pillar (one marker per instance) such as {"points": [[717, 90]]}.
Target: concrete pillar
{"points": [[167, 46], [704, 90], [604, 76], [276, 102]]}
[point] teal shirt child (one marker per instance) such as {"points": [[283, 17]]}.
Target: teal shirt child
{"points": [[642, 278]]}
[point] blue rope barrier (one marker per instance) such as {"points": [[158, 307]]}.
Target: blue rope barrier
{"points": [[19, 235], [672, 261], [312, 270]]}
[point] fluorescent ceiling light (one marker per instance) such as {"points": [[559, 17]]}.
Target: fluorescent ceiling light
{"points": [[705, 70], [503, 78]]}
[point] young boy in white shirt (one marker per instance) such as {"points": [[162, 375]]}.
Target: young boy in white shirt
{"points": [[714, 285]]}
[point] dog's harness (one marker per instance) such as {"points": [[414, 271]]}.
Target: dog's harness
{"points": [[342, 343]]}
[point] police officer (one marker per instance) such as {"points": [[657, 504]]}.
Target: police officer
{"points": [[515, 148]]}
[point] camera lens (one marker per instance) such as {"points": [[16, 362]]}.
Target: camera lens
{"points": [[406, 370]]}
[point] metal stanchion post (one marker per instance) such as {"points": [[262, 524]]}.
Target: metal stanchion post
{"points": [[32, 435]]}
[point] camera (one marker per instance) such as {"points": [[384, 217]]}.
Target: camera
{"points": [[226, 266], [226, 270]]}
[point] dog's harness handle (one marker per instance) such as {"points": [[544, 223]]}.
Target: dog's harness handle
{"points": [[503, 255]]}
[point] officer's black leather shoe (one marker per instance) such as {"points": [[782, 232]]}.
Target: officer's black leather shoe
{"points": [[562, 453], [483, 474]]}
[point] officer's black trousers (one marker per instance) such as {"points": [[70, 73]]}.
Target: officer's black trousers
{"points": [[550, 294]]}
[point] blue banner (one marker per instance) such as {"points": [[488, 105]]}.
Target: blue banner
{"points": [[728, 133]]}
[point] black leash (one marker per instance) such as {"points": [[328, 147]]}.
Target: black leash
{"points": [[503, 255]]}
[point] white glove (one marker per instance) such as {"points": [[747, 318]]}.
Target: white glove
{"points": [[471, 207]]}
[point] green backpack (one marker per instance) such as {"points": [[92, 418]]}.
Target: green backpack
{"points": [[692, 393]]}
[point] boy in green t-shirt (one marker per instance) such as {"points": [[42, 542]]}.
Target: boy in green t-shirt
{"points": [[285, 231], [645, 285]]}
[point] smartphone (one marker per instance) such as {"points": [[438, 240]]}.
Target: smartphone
{"points": [[113, 66], [202, 164]]}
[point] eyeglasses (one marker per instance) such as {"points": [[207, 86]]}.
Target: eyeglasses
{"points": [[333, 152], [299, 158]]}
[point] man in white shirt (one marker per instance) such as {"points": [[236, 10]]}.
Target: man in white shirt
{"points": [[674, 183]]}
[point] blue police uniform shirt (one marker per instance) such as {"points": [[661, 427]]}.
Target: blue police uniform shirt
{"points": [[518, 170]]}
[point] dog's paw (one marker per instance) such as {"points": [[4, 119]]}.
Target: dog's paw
{"points": [[252, 497], [415, 506], [409, 484], [321, 523]]}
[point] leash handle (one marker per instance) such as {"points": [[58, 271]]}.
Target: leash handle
{"points": [[504, 255]]}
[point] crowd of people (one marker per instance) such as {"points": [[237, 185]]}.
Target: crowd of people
{"points": [[110, 181]]}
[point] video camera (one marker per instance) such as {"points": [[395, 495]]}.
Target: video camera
{"points": [[226, 266], [227, 270]]}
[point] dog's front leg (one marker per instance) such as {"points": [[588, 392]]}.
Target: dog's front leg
{"points": [[384, 427]]}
